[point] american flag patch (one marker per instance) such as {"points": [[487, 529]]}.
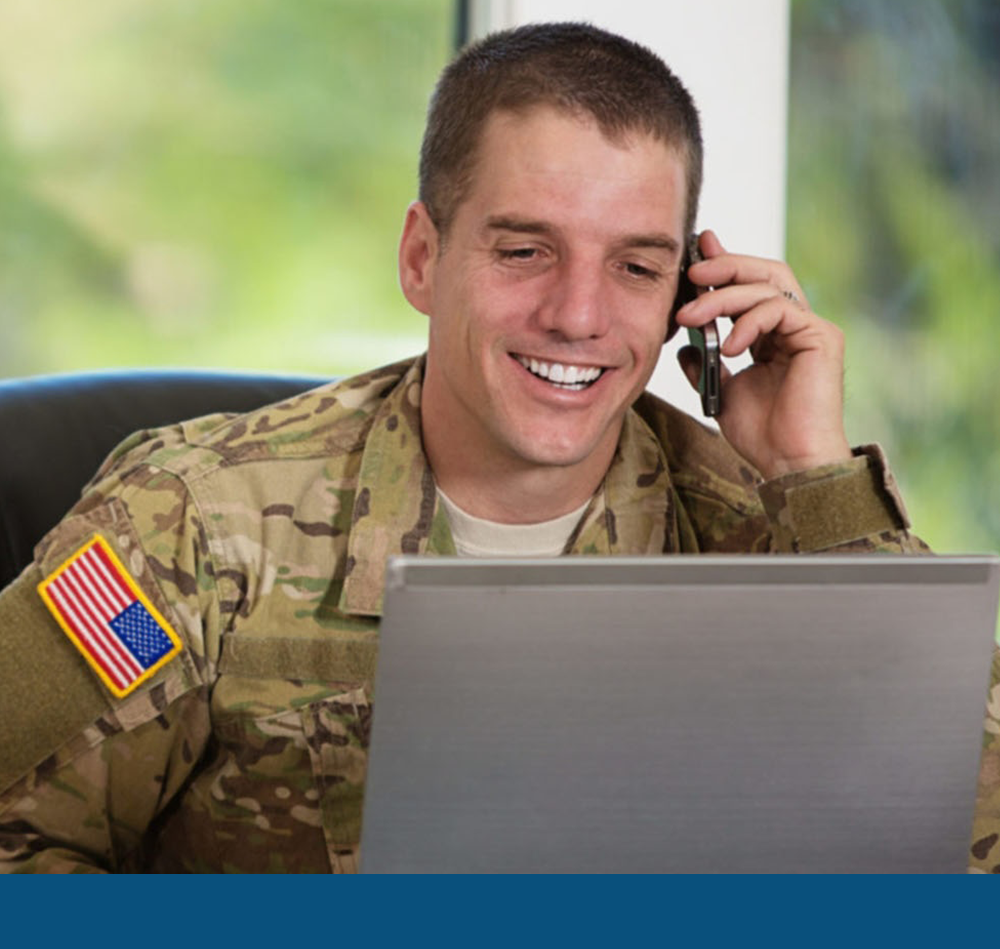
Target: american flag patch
{"points": [[109, 619]]}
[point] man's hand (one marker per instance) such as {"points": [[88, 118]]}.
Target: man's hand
{"points": [[785, 412]]}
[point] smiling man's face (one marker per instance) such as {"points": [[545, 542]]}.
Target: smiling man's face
{"points": [[548, 301]]}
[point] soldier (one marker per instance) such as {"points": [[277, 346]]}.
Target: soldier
{"points": [[195, 642]]}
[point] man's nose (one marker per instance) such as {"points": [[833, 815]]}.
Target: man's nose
{"points": [[578, 303]]}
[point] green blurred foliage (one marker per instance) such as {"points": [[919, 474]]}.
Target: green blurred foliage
{"points": [[211, 184], [222, 184], [893, 205]]}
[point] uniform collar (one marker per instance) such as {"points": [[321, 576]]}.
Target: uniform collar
{"points": [[395, 504], [633, 513], [396, 510]]}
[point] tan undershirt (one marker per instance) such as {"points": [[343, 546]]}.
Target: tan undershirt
{"points": [[475, 537]]}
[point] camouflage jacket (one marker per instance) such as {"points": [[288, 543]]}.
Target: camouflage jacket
{"points": [[261, 540]]}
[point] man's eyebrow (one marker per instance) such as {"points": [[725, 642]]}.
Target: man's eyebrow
{"points": [[662, 241], [502, 222], [518, 225]]}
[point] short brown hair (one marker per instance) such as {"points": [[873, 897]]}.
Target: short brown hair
{"points": [[574, 67]]}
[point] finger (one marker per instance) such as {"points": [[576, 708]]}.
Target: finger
{"points": [[732, 301], [710, 245], [728, 269], [775, 325], [762, 332], [689, 359]]}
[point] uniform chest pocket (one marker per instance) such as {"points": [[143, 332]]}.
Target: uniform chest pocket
{"points": [[293, 742]]}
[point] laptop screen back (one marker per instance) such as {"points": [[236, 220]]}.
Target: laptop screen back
{"points": [[689, 714]]}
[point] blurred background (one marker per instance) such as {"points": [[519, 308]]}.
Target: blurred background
{"points": [[894, 230], [210, 183], [222, 184]]}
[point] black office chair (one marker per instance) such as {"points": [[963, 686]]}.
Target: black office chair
{"points": [[56, 430]]}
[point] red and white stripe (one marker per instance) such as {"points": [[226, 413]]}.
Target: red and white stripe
{"points": [[89, 593]]}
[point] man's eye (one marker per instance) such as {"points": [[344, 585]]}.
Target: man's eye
{"points": [[637, 270], [518, 253]]}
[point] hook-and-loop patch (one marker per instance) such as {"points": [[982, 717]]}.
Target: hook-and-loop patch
{"points": [[112, 623]]}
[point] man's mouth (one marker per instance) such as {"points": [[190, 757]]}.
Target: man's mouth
{"points": [[572, 378]]}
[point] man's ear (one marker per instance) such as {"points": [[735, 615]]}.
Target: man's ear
{"points": [[418, 252]]}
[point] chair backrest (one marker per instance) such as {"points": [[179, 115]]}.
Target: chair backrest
{"points": [[56, 430]]}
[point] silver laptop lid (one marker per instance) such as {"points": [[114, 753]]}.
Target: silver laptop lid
{"points": [[691, 714]]}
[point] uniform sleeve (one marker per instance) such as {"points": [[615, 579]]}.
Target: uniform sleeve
{"points": [[985, 850], [851, 506], [84, 773], [845, 507], [725, 507]]}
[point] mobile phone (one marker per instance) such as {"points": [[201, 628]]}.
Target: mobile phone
{"points": [[706, 338]]}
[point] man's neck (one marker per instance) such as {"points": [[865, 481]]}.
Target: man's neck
{"points": [[514, 497], [509, 490]]}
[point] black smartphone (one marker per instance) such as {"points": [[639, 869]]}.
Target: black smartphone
{"points": [[706, 338]]}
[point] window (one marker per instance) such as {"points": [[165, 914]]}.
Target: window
{"points": [[219, 184], [893, 203]]}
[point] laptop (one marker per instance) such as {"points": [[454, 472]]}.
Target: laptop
{"points": [[688, 714]]}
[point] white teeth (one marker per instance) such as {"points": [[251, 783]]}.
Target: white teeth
{"points": [[568, 377]]}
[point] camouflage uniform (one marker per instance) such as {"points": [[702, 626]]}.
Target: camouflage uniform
{"points": [[986, 825], [262, 539]]}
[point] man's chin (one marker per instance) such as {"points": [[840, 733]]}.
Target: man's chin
{"points": [[546, 453]]}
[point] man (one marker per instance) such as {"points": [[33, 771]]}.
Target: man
{"points": [[559, 180]]}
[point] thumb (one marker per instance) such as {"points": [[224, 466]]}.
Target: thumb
{"points": [[710, 244], [689, 359]]}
